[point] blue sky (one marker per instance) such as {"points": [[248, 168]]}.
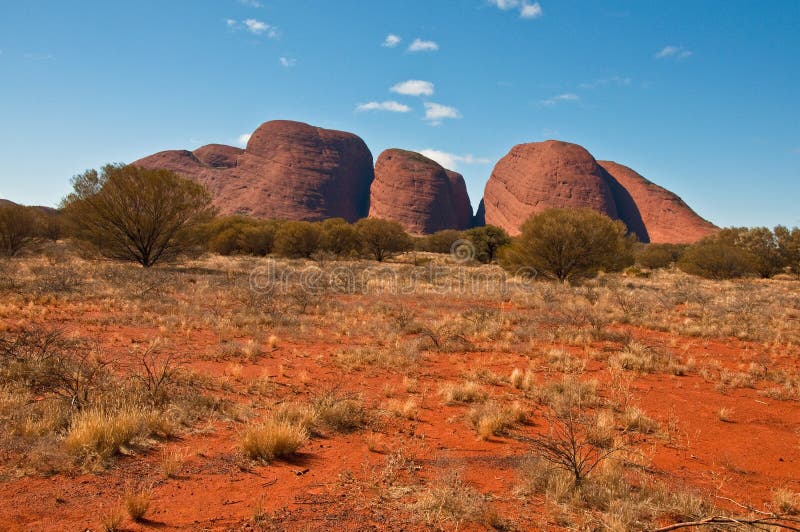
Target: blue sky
{"points": [[700, 97]]}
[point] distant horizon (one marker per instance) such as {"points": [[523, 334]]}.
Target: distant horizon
{"points": [[700, 99]]}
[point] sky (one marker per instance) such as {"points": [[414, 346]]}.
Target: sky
{"points": [[701, 98]]}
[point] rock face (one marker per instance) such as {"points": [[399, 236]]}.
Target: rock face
{"points": [[418, 193], [542, 175], [553, 174], [289, 170], [664, 215]]}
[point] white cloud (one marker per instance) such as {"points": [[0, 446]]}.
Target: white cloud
{"points": [[451, 160], [674, 52], [436, 112], [604, 82], [423, 46], [391, 106], [414, 87], [391, 41], [251, 3], [258, 27], [526, 9], [287, 62], [533, 10], [230, 22], [566, 97], [244, 139]]}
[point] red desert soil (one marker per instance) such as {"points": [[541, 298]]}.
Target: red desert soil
{"points": [[335, 482]]}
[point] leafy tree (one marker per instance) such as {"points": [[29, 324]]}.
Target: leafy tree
{"points": [[487, 241], [239, 234], [717, 257], [340, 238], [137, 214], [440, 241], [18, 228], [762, 244], [655, 256], [789, 247], [382, 238], [566, 244], [298, 239]]}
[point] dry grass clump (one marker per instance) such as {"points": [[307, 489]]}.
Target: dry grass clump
{"points": [[465, 392], [272, 439], [452, 502], [301, 415], [641, 358], [340, 413], [634, 419], [523, 380], [401, 355], [786, 502], [408, 409], [565, 362], [172, 462], [112, 521], [569, 391], [725, 415], [491, 419], [102, 433], [137, 502]]}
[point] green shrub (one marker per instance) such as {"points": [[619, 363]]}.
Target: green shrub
{"points": [[657, 256], [439, 242], [717, 258], [18, 228], [381, 239], [487, 241], [340, 238], [298, 239], [567, 244]]}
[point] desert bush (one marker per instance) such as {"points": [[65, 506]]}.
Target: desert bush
{"points": [[641, 358], [298, 239], [382, 239], [439, 242], [340, 238], [656, 256], [487, 240], [136, 214], [239, 234], [789, 247], [18, 228], [717, 257], [46, 362], [272, 439], [568, 244], [762, 245], [568, 446]]}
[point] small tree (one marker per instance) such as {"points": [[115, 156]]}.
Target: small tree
{"points": [[18, 228], [566, 244], [136, 214], [487, 241], [298, 239], [789, 247], [238, 234], [382, 238], [440, 241]]}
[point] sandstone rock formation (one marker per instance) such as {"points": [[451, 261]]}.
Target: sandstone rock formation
{"points": [[418, 193], [289, 170], [541, 175], [665, 216]]}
